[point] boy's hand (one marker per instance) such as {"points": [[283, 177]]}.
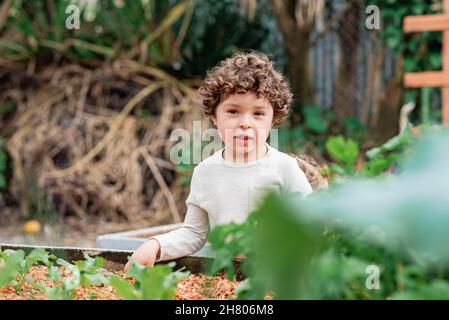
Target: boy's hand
{"points": [[146, 254]]}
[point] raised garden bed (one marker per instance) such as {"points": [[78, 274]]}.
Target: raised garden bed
{"points": [[194, 287], [31, 285], [131, 240]]}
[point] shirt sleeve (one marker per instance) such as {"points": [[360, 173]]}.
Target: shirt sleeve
{"points": [[191, 236], [295, 179]]}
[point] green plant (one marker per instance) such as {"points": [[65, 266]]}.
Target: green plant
{"points": [[321, 247], [230, 241], [183, 37], [158, 282], [315, 120], [150, 283], [91, 272], [67, 288], [10, 266], [395, 144], [345, 152], [84, 273], [387, 155], [218, 28], [105, 29], [16, 265], [312, 132]]}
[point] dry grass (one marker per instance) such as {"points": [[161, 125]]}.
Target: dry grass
{"points": [[76, 134]]}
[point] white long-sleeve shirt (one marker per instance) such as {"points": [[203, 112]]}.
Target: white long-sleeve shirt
{"points": [[222, 192]]}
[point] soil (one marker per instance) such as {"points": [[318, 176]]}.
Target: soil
{"points": [[194, 287], [78, 233]]}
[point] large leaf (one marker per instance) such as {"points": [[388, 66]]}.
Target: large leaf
{"points": [[284, 265], [124, 288], [11, 266], [412, 206], [343, 150]]}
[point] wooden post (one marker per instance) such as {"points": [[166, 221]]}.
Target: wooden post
{"points": [[445, 57], [438, 22]]}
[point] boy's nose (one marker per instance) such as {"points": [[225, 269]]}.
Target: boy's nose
{"points": [[245, 122]]}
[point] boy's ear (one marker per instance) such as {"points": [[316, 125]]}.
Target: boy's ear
{"points": [[214, 121]]}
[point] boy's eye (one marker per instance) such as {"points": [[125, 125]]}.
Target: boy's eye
{"points": [[232, 111], [259, 114]]}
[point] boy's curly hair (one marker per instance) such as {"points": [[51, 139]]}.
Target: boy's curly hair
{"points": [[245, 72]]}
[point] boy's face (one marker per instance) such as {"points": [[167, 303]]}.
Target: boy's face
{"points": [[244, 122]]}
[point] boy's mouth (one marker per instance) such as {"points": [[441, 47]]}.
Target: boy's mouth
{"points": [[243, 138]]}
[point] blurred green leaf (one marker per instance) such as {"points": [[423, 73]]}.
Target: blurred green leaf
{"points": [[10, 266], [314, 120], [343, 150]]}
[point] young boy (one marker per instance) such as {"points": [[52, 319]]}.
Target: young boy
{"points": [[244, 96]]}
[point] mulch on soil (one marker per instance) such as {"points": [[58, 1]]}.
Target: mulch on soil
{"points": [[194, 287]]}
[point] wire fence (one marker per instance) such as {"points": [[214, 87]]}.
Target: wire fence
{"points": [[360, 46]]}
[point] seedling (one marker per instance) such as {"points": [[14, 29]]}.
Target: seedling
{"points": [[151, 283], [84, 273], [16, 266], [67, 288]]}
